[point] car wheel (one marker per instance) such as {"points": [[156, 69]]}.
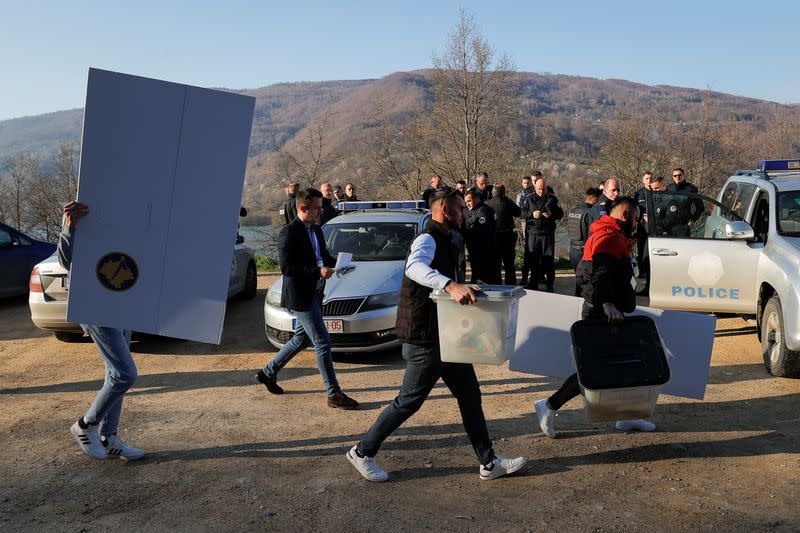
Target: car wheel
{"points": [[250, 282], [779, 360], [68, 336]]}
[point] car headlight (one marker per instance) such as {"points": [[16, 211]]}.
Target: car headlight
{"points": [[380, 301], [274, 298]]}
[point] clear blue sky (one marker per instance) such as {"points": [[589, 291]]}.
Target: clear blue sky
{"points": [[46, 47]]}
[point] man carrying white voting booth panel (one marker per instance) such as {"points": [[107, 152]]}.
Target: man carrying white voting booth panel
{"points": [[162, 168]]}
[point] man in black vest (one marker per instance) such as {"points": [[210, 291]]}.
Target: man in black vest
{"points": [[505, 211], [541, 213], [479, 234], [578, 229], [305, 265], [432, 264]]}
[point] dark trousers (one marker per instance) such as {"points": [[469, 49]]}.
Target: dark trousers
{"points": [[571, 387], [507, 246], [423, 370], [575, 256], [485, 265], [541, 248]]}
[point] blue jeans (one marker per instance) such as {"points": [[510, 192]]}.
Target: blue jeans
{"points": [[114, 346], [310, 329]]}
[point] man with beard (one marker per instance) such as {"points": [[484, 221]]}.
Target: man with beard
{"points": [[431, 264], [608, 293], [479, 235]]}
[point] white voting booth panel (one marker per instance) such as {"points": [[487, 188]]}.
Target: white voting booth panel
{"points": [[162, 170], [544, 346]]}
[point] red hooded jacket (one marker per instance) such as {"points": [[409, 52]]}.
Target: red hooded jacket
{"points": [[606, 266]]}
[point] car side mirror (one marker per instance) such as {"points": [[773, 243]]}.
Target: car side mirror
{"points": [[739, 230]]}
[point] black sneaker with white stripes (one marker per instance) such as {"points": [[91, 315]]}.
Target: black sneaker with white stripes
{"points": [[89, 441]]}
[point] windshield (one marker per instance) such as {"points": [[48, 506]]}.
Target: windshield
{"points": [[370, 241], [789, 213]]}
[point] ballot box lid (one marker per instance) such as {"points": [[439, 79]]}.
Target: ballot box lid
{"points": [[487, 292], [625, 354]]}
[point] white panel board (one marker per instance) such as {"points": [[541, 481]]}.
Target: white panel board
{"points": [[162, 171], [543, 344]]}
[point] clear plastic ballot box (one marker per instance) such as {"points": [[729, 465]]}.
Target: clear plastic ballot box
{"points": [[621, 367], [480, 333]]}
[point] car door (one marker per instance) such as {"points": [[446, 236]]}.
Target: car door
{"points": [[694, 266], [14, 263]]}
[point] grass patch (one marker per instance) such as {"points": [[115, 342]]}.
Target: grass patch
{"points": [[267, 264]]}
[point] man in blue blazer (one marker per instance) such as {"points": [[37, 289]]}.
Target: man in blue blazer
{"points": [[305, 265]]}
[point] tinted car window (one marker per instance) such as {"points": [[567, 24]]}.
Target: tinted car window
{"points": [[789, 213], [5, 238], [746, 192], [690, 216], [370, 241]]}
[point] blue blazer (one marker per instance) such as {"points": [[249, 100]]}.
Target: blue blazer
{"points": [[299, 265]]}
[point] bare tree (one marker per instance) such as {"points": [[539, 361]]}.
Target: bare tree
{"points": [[476, 104], [20, 170], [305, 159]]}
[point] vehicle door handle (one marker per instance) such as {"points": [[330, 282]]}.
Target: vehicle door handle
{"points": [[663, 251]]}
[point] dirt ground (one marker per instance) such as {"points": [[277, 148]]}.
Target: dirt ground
{"points": [[223, 454]]}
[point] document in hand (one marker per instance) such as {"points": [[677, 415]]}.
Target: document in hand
{"points": [[162, 170], [343, 263], [543, 344]]}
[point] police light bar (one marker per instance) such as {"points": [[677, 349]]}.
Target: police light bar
{"points": [[388, 204], [767, 165]]}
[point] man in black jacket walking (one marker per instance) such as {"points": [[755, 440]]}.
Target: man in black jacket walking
{"points": [[505, 211], [289, 210], [432, 264], [541, 213], [305, 265]]}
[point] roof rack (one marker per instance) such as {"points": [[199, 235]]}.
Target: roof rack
{"points": [[385, 204]]}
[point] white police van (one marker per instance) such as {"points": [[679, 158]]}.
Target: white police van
{"points": [[738, 254]]}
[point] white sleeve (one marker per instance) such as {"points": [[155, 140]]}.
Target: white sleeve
{"points": [[418, 264]]}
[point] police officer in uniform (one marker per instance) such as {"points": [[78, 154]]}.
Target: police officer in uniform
{"points": [[505, 233], [522, 196], [289, 210], [682, 211], [610, 192], [578, 228], [479, 234], [541, 213], [436, 185], [483, 187]]}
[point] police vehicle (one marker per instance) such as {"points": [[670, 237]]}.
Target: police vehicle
{"points": [[738, 254], [359, 308]]}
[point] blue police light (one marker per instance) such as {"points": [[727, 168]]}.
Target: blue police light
{"points": [[773, 165], [389, 204]]}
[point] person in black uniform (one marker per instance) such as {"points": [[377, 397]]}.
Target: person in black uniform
{"points": [[328, 197], [683, 211], [541, 213], [610, 192], [461, 186], [289, 210], [436, 185], [483, 187], [578, 229], [479, 235], [350, 193], [522, 196], [506, 211]]}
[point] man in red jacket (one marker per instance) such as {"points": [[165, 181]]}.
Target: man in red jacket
{"points": [[608, 293]]}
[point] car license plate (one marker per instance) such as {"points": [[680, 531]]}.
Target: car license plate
{"points": [[333, 326]]}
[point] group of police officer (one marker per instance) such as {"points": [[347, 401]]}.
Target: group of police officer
{"points": [[490, 229]]}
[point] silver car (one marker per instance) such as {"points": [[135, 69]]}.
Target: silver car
{"points": [[48, 291], [359, 308]]}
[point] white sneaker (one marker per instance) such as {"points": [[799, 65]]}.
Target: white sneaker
{"points": [[546, 417], [366, 466], [89, 441], [117, 448], [635, 425], [502, 466]]}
